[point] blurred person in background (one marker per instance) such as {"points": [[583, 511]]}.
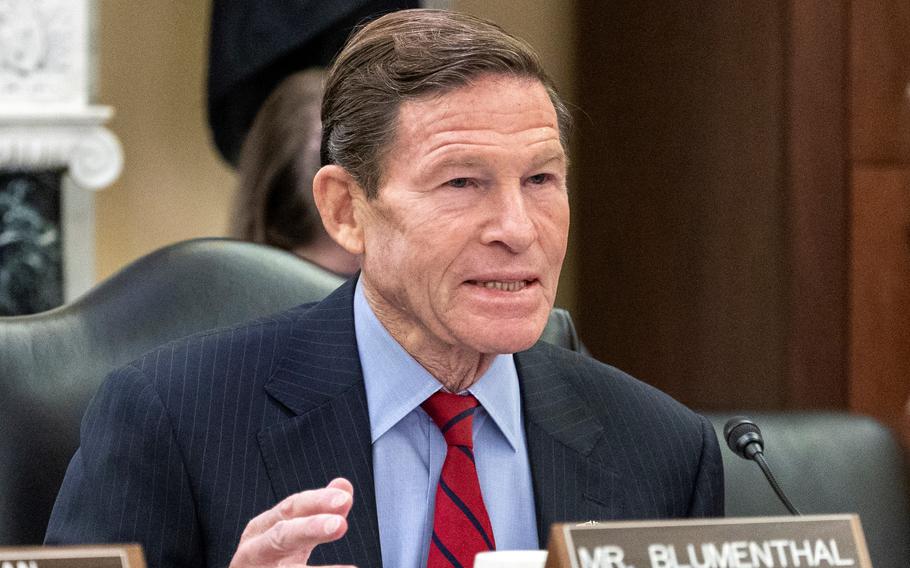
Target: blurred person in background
{"points": [[278, 159]]}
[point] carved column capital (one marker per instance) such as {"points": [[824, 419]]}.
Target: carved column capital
{"points": [[46, 121], [76, 142]]}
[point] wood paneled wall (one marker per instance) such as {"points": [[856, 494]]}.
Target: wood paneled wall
{"points": [[745, 175], [713, 241], [880, 209], [880, 300], [817, 203], [880, 82]]}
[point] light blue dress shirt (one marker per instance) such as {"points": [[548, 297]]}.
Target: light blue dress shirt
{"points": [[408, 448]]}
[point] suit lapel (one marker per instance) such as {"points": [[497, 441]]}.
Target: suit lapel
{"points": [[562, 431], [319, 381]]}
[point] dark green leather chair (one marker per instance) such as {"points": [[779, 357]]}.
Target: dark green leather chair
{"points": [[827, 462], [52, 363]]}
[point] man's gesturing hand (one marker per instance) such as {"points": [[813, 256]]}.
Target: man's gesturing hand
{"points": [[286, 534]]}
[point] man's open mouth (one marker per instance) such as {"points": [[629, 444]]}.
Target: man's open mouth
{"points": [[504, 285]]}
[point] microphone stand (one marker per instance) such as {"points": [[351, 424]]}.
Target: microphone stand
{"points": [[759, 458]]}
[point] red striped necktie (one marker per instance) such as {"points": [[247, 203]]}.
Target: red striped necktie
{"points": [[461, 526]]}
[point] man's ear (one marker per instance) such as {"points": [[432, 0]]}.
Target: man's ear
{"points": [[335, 192]]}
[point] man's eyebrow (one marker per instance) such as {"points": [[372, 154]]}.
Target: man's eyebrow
{"points": [[544, 159], [540, 160], [456, 162]]}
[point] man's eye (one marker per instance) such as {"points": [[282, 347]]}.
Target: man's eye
{"points": [[459, 183], [539, 179]]}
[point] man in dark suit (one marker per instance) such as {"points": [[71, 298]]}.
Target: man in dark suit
{"points": [[412, 418]]}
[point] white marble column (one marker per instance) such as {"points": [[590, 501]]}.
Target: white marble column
{"points": [[47, 121]]}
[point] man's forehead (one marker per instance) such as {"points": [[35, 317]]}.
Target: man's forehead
{"points": [[425, 124], [481, 112]]}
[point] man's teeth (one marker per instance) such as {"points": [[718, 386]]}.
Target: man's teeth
{"points": [[504, 286]]}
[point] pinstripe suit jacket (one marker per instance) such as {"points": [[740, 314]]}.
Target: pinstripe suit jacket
{"points": [[180, 449]]}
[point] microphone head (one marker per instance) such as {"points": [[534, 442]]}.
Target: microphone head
{"points": [[741, 433]]}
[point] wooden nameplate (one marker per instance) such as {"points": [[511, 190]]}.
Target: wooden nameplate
{"points": [[88, 556], [810, 541]]}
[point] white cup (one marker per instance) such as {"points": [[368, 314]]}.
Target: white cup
{"points": [[511, 559]]}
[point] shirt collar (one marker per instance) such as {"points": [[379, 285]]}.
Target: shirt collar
{"points": [[396, 383]]}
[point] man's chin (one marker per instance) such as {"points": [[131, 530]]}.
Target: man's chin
{"points": [[502, 339]]}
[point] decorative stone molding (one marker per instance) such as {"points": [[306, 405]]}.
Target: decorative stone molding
{"points": [[75, 142], [46, 121], [48, 124]]}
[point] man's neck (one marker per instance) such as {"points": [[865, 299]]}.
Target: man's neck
{"points": [[457, 368]]}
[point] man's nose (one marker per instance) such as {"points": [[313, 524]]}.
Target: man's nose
{"points": [[510, 219]]}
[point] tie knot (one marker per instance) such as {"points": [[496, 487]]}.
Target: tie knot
{"points": [[454, 415]]}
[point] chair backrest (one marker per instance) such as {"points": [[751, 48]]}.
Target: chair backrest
{"points": [[827, 463], [52, 363]]}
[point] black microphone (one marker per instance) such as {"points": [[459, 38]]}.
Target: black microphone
{"points": [[744, 439]]}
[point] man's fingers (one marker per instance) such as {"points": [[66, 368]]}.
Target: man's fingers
{"points": [[288, 532], [290, 540], [287, 538], [329, 500]]}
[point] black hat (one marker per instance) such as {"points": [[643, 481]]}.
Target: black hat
{"points": [[254, 44]]}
